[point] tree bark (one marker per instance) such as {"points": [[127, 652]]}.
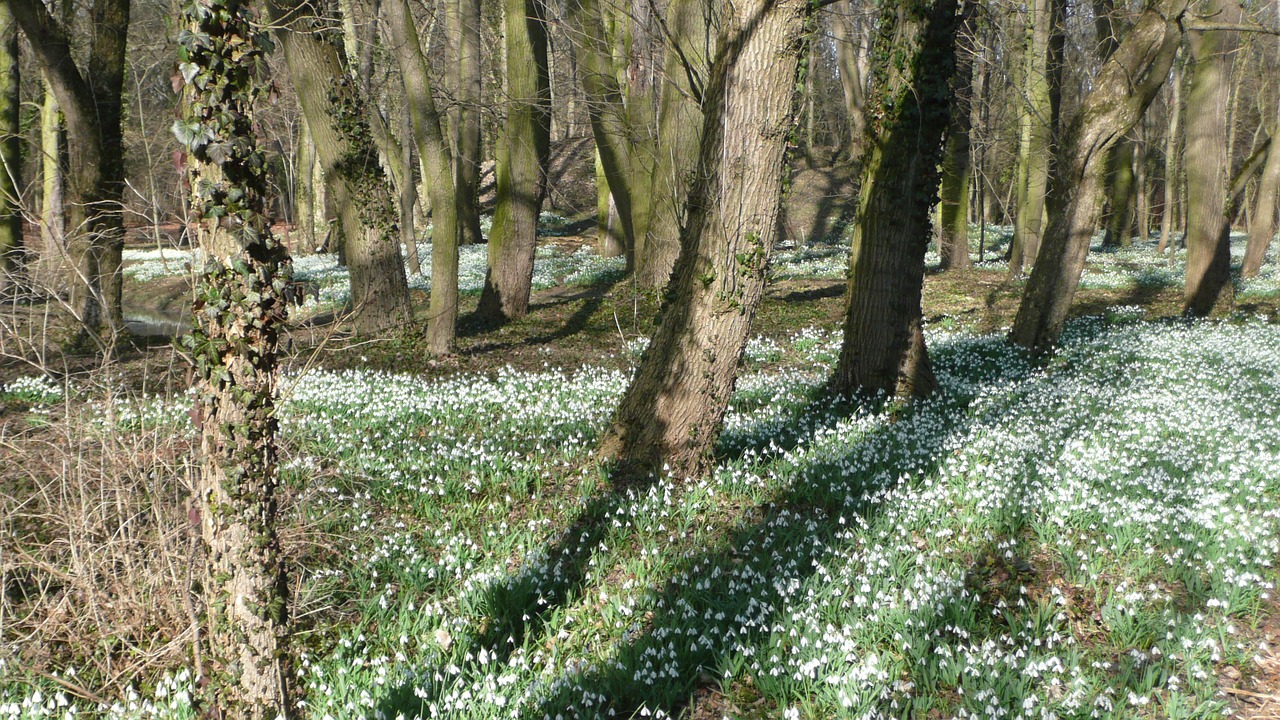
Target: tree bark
{"points": [[1208, 165], [1172, 150], [52, 208], [523, 155], [1119, 230], [672, 412], [1263, 228], [437, 164], [1035, 133], [240, 309], [689, 50], [953, 243], [353, 177], [849, 61], [12, 250], [304, 191], [910, 109], [464, 27], [1123, 89]]}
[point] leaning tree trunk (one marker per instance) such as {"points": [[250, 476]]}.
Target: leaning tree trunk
{"points": [[673, 410], [523, 155], [909, 110], [689, 50], [953, 238], [240, 309], [353, 177], [437, 171], [12, 252], [1123, 89], [1265, 207]]}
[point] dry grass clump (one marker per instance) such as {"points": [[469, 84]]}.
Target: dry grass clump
{"points": [[96, 551]]}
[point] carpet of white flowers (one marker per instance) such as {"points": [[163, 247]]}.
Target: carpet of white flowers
{"points": [[1089, 537]]}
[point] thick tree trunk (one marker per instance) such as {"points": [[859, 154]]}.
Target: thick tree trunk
{"points": [[1208, 165], [353, 177], [1123, 88], [1172, 151], [689, 51], [12, 251], [909, 107], [240, 309], [1035, 137], [672, 412], [523, 153], [1263, 227], [953, 236], [437, 165]]}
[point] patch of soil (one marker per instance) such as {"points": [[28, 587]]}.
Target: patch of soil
{"points": [[1257, 696]]}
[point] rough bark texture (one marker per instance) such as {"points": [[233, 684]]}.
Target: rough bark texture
{"points": [[1035, 132], [672, 412], [240, 309], [91, 106], [909, 107], [1206, 160], [1123, 88], [12, 252], [437, 164], [1263, 228], [354, 179], [953, 236], [523, 153]]}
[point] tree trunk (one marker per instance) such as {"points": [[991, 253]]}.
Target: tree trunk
{"points": [[12, 250], [304, 191], [910, 108], [851, 82], [689, 51], [52, 224], [523, 155], [1035, 136], [353, 177], [1123, 88], [1208, 165], [672, 411], [1141, 186], [240, 309], [953, 243], [437, 166], [1172, 150], [464, 28], [1119, 232], [1263, 226], [408, 197]]}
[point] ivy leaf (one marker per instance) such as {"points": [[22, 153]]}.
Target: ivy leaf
{"points": [[188, 70]]}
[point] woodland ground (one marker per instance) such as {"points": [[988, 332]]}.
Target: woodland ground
{"points": [[1093, 534]]}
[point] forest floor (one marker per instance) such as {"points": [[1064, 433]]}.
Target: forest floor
{"points": [[1093, 534]]}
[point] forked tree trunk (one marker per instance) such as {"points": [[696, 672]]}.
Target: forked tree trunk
{"points": [[354, 179], [689, 52], [909, 109], [523, 154], [437, 171], [1208, 164], [953, 236], [12, 251], [240, 309], [1263, 228], [1123, 89], [673, 410]]}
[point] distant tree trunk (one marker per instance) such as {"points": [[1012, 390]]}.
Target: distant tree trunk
{"points": [[1035, 137], [464, 29], [1119, 231], [353, 177], [673, 410], [240, 310], [909, 107], [689, 51], [851, 81], [1263, 227], [437, 170], [1172, 150], [1122, 91], [1141, 185], [91, 106], [953, 245], [408, 197], [1208, 166], [304, 191], [12, 251], [52, 151], [523, 155]]}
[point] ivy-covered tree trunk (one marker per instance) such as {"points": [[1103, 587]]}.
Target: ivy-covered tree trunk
{"points": [[672, 412], [91, 107], [1207, 160], [240, 309], [523, 154], [12, 251], [1122, 91], [909, 108], [956, 166], [689, 50], [353, 177], [437, 164]]}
